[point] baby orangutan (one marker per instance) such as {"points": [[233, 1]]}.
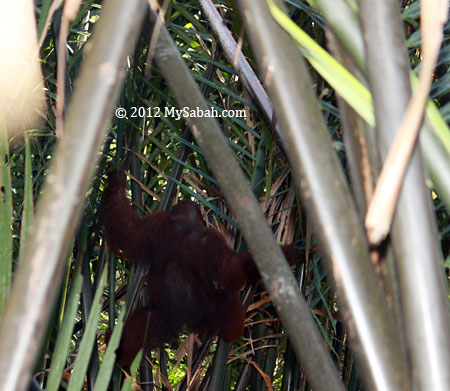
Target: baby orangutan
{"points": [[194, 278]]}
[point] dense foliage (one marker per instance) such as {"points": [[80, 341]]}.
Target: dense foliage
{"points": [[166, 165]]}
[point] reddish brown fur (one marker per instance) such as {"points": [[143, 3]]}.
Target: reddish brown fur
{"points": [[194, 279]]}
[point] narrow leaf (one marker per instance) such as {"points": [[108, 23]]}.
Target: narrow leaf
{"points": [[87, 344], [65, 334], [133, 369], [5, 221], [345, 84], [27, 214], [104, 375]]}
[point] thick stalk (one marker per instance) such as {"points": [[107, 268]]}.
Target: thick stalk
{"points": [[414, 233], [373, 334], [276, 274], [38, 278]]}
